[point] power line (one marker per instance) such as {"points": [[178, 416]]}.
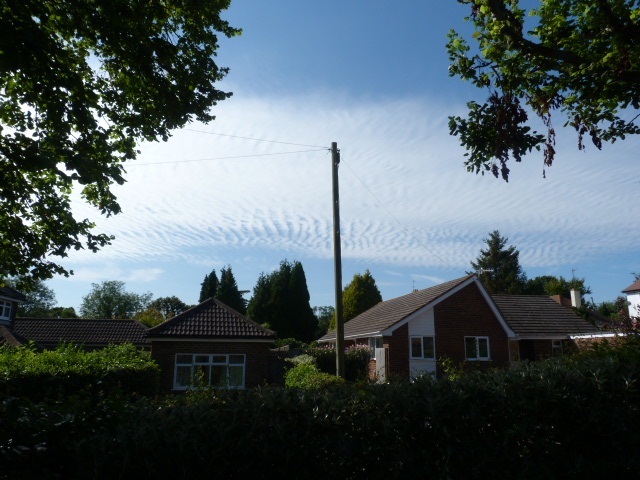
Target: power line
{"points": [[254, 139], [395, 218], [135, 164]]}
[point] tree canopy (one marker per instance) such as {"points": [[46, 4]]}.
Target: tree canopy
{"points": [[580, 58], [498, 266], [360, 295], [169, 307], [80, 84], [209, 286], [280, 301], [550, 285], [228, 292], [109, 299]]}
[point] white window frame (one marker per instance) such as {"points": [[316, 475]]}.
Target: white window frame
{"points": [[422, 339], [208, 363], [375, 342], [5, 310], [477, 356]]}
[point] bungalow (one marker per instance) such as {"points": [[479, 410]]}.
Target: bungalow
{"points": [[210, 343], [462, 321], [633, 297]]}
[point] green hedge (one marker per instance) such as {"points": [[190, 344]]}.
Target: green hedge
{"points": [[68, 370], [356, 361], [570, 418]]}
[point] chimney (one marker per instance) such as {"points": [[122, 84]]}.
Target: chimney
{"points": [[576, 298]]}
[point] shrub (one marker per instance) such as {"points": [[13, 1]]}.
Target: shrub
{"points": [[356, 361], [307, 377]]}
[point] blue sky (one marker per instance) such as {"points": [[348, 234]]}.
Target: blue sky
{"points": [[253, 187]]}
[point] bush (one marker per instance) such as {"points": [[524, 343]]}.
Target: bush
{"points": [[356, 361], [68, 370], [306, 376]]}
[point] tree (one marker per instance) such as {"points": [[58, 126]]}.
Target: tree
{"points": [[577, 57], [228, 292], [150, 317], [82, 82], [169, 307], [498, 268], [360, 295], [280, 301], [209, 286], [324, 317], [550, 285], [110, 300]]}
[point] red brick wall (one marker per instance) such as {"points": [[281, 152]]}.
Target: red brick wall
{"points": [[466, 313], [398, 348], [256, 371]]}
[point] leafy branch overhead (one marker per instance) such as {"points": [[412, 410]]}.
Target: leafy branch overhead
{"points": [[580, 58], [80, 84]]}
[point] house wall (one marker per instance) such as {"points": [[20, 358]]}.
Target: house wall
{"points": [[466, 313], [256, 366], [634, 304], [422, 325], [398, 347]]}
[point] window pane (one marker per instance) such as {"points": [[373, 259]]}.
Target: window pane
{"points": [[183, 376], [219, 376], [184, 359], [470, 347], [236, 376], [201, 359], [416, 347], [428, 347], [201, 375], [483, 348], [219, 359], [236, 359]]}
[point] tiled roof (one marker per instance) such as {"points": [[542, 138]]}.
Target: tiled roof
{"points": [[634, 287], [51, 331], [7, 337], [13, 294], [211, 319], [540, 316], [386, 314]]}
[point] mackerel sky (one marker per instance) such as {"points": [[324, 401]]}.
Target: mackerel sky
{"points": [[253, 187]]}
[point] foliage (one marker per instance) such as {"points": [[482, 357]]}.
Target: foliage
{"points": [[306, 376], [110, 300], [572, 417], [291, 342], [280, 302], [550, 285], [324, 316], [577, 57], [360, 295], [498, 268], [40, 299], [82, 83], [356, 361], [150, 317], [209, 286], [228, 292], [169, 307], [68, 370]]}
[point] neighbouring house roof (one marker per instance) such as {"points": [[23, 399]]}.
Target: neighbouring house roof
{"points": [[12, 294], [386, 314], [7, 337], [89, 332], [211, 319], [634, 287], [539, 316]]}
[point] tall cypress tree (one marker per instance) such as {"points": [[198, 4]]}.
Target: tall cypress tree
{"points": [[209, 286], [228, 292], [304, 321], [360, 295], [498, 267]]}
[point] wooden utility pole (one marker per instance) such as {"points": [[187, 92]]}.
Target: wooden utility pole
{"points": [[337, 262]]}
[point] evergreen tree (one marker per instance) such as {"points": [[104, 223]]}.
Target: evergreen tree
{"points": [[498, 267], [280, 302], [360, 295], [209, 286], [228, 292]]}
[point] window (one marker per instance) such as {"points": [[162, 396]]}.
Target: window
{"points": [[423, 347], [476, 348], [203, 370], [375, 342], [556, 348], [5, 310]]}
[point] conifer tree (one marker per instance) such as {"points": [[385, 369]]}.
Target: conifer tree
{"points": [[209, 286], [228, 292], [498, 267]]}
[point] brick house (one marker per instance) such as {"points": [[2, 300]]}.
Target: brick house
{"points": [[210, 342], [462, 321], [213, 344]]}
